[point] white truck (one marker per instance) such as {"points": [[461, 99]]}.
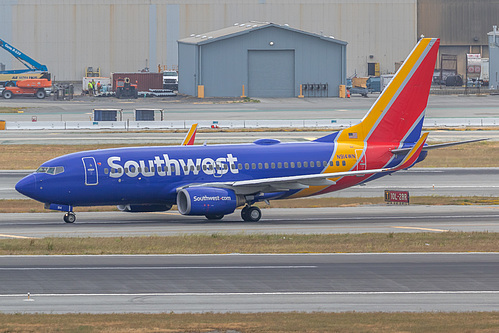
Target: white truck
{"points": [[170, 80]]}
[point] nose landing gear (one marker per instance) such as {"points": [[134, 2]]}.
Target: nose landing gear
{"points": [[69, 217]]}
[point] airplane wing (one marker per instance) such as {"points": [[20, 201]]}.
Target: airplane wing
{"points": [[190, 136], [403, 151], [278, 184]]}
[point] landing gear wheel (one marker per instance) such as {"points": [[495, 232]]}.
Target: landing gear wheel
{"points": [[40, 94], [70, 217], [244, 212], [215, 217], [251, 214], [7, 94]]}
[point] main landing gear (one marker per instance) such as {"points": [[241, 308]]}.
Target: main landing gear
{"points": [[69, 217], [251, 214]]}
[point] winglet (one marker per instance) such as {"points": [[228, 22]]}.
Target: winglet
{"points": [[190, 136], [413, 155]]}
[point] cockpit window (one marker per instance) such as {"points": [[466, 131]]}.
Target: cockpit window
{"points": [[50, 170]]}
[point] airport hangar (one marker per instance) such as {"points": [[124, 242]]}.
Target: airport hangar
{"points": [[261, 60], [125, 36]]}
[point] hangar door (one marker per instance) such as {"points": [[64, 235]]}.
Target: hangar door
{"points": [[271, 73]]}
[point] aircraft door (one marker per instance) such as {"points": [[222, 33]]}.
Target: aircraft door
{"points": [[91, 174], [361, 160]]}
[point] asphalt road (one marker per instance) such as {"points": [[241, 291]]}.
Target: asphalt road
{"points": [[418, 181], [80, 108], [361, 219], [250, 283], [138, 138]]}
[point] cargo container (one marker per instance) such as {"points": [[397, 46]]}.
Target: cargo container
{"points": [[144, 81]]}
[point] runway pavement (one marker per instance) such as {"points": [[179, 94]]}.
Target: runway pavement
{"points": [[418, 181], [381, 218], [250, 283]]}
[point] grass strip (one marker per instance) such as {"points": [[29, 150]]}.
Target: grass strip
{"points": [[32, 206], [478, 154], [221, 243], [6, 109], [435, 322]]}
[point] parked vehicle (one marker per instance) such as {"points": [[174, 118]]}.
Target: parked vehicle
{"points": [[36, 87]]}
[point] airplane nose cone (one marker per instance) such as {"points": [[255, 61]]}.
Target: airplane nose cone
{"points": [[26, 186]]}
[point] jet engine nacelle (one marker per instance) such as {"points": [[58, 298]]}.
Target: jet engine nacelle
{"points": [[144, 208], [208, 201]]}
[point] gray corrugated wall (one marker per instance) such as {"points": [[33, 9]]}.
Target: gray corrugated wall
{"points": [[116, 35], [187, 69], [224, 65]]}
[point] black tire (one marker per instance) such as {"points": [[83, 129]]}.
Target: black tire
{"points": [[7, 94], [253, 214], [244, 212], [69, 217], [40, 94], [214, 216]]}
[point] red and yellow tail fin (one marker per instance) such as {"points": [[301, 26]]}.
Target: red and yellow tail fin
{"points": [[397, 115], [190, 136]]}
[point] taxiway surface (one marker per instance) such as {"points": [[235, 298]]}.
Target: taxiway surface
{"points": [[250, 283], [361, 219]]}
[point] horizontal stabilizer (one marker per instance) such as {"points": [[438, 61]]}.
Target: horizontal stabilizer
{"points": [[403, 151]]}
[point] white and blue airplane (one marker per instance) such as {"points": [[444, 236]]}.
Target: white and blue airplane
{"points": [[213, 180]]}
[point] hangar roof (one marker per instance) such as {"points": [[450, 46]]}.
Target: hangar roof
{"points": [[244, 28]]}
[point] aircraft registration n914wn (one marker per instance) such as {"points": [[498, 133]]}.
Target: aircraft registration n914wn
{"points": [[213, 180]]}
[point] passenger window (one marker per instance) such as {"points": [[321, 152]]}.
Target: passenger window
{"points": [[331, 163], [166, 168], [192, 167], [318, 163], [266, 165], [324, 163], [260, 166], [246, 166], [298, 164], [343, 163], [239, 166], [285, 165], [106, 171], [146, 169], [312, 164], [253, 166], [272, 165], [337, 163], [305, 164], [198, 167], [279, 165]]}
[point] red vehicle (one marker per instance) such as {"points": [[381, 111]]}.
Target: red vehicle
{"points": [[34, 87]]}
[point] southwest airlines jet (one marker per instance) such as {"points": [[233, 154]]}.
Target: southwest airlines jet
{"points": [[213, 180]]}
